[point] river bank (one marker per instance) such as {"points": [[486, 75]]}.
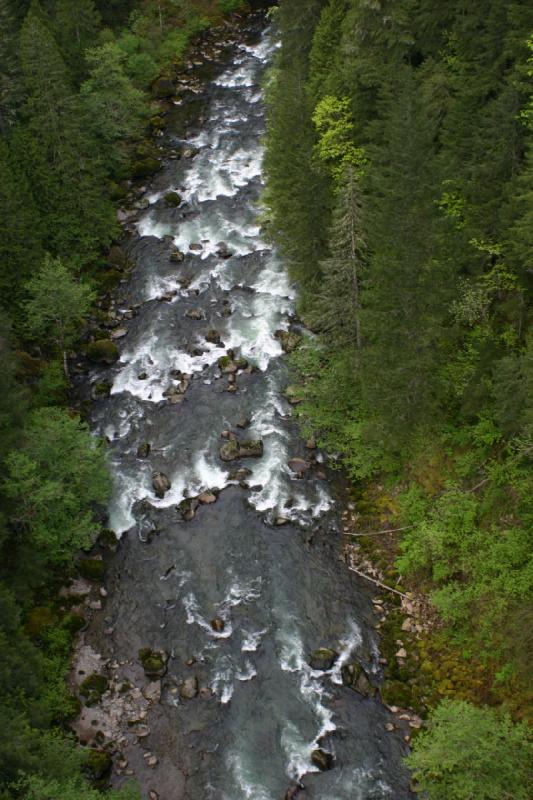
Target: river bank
{"points": [[227, 578]]}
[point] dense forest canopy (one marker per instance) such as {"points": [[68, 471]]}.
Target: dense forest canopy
{"points": [[76, 124], [399, 191]]}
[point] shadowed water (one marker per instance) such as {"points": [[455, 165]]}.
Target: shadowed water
{"points": [[282, 591]]}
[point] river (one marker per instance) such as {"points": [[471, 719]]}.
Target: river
{"points": [[265, 558]]}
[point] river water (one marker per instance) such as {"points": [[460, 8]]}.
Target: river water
{"points": [[281, 590]]}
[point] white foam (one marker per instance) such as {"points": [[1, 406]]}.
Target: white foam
{"points": [[251, 641], [248, 786]]}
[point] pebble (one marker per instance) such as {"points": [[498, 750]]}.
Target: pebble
{"points": [[389, 727], [402, 653], [152, 761], [153, 795], [103, 592], [109, 631]]}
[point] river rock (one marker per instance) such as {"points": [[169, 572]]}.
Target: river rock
{"points": [[355, 676], [143, 451], [213, 336], [161, 484], [322, 759], [323, 658], [195, 314], [196, 246], [189, 688], [289, 340], [240, 474], [188, 507], [223, 250], [152, 691], [295, 793], [207, 498], [299, 466], [190, 152], [234, 449], [218, 624]]}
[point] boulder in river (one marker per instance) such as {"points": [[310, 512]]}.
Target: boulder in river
{"points": [[189, 688], [196, 246], [213, 336], [322, 759], [177, 256], [299, 466], [323, 658], [161, 484], [172, 199], [195, 314], [218, 624], [234, 449]]}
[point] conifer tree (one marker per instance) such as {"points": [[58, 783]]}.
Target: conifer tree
{"points": [[77, 23]]}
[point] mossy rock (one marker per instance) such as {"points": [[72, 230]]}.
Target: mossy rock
{"points": [[103, 351], [101, 390], [92, 569], [162, 88], [73, 623], [109, 280], [99, 764], [157, 123], [323, 659], [39, 619], [224, 362], [116, 191], [154, 662], [356, 677], [108, 539], [118, 259], [397, 693], [172, 199], [93, 687], [294, 394], [145, 167], [241, 363]]}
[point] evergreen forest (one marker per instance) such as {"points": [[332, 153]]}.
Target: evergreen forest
{"points": [[399, 190]]}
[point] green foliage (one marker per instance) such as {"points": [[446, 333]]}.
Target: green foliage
{"points": [[472, 753], [77, 23], [37, 788], [53, 481], [57, 303]]}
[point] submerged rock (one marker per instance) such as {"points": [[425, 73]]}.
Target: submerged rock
{"points": [[223, 250], [154, 662], [234, 449], [195, 314], [161, 484], [143, 451], [323, 658], [189, 688]]}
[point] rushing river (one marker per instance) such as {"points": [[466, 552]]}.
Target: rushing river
{"points": [[281, 590]]}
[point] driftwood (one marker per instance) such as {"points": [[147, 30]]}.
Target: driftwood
{"points": [[378, 583], [380, 533]]}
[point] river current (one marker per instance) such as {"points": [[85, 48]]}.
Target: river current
{"points": [[280, 590]]}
